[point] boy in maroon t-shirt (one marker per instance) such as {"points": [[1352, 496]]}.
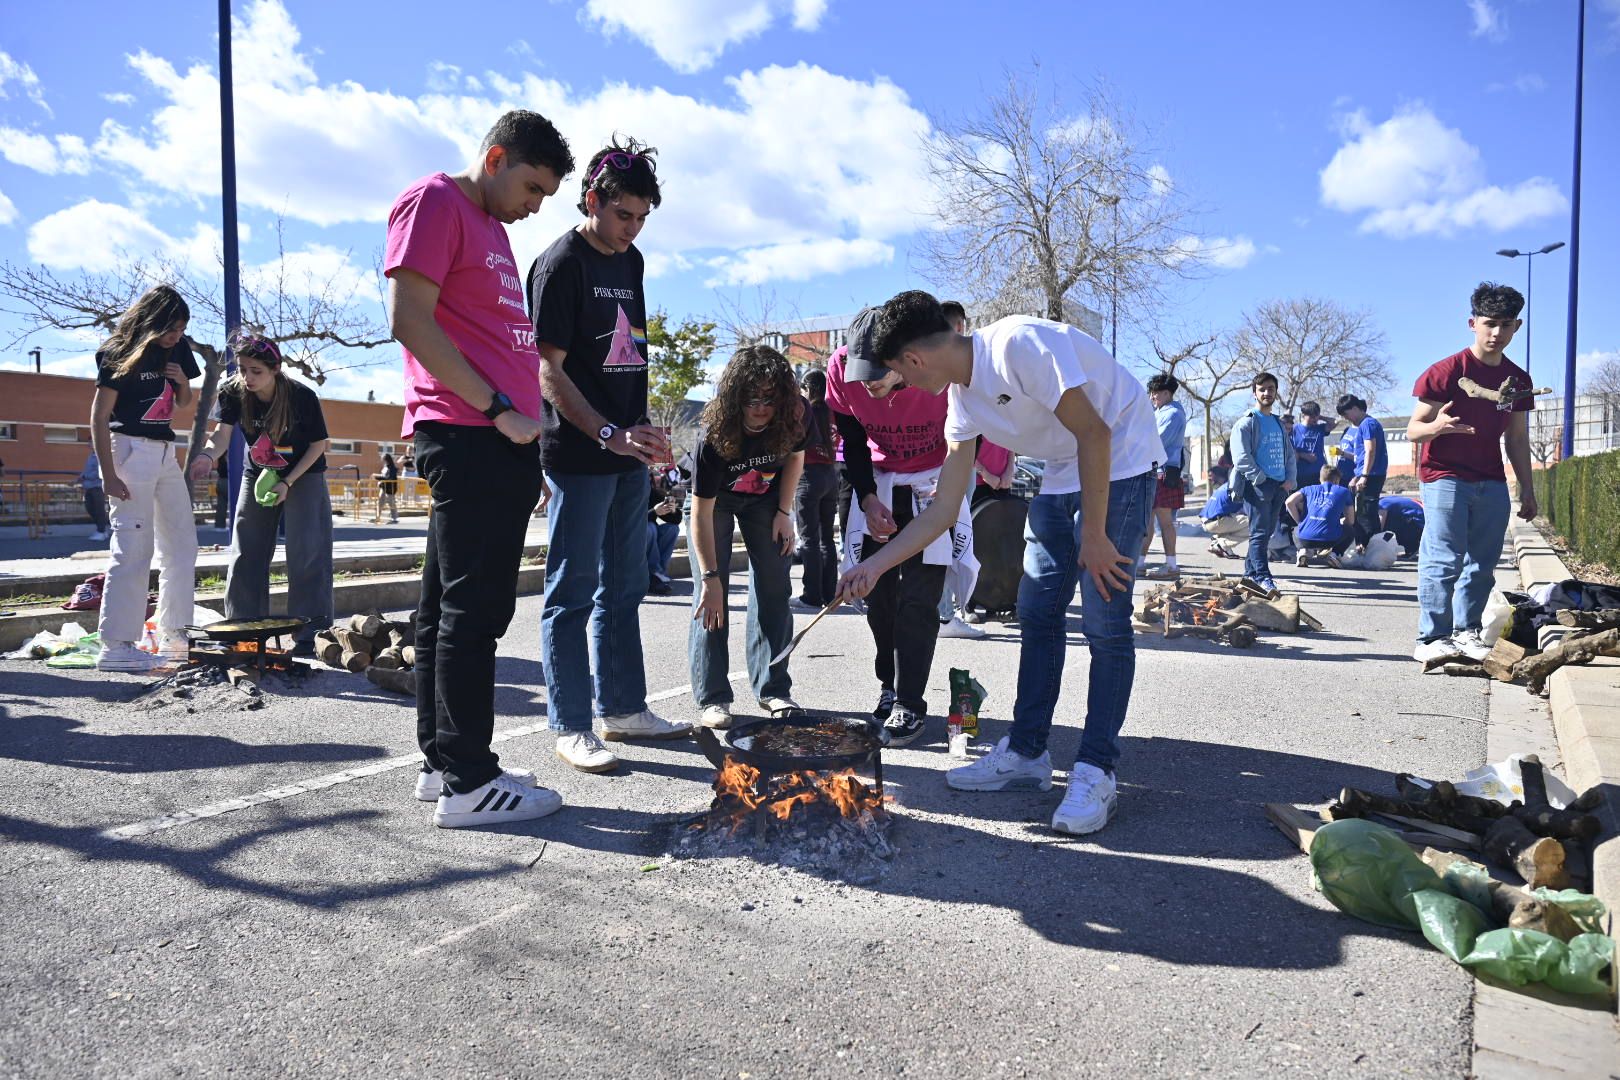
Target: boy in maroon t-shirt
{"points": [[1465, 494]]}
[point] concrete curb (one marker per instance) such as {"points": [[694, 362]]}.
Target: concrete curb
{"points": [[393, 592], [1585, 704]]}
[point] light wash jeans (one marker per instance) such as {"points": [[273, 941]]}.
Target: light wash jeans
{"points": [[157, 515], [661, 537], [769, 626], [1051, 571], [1465, 525], [596, 571]]}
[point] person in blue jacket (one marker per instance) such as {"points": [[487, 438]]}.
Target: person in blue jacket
{"points": [[1224, 520]]}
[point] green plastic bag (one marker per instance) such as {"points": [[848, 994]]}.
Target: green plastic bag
{"points": [[264, 487], [1366, 870]]}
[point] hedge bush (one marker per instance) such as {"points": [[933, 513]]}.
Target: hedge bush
{"points": [[1581, 497]]}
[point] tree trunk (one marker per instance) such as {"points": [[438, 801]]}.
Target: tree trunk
{"points": [[213, 366]]}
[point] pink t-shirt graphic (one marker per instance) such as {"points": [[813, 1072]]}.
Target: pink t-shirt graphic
{"points": [[623, 351], [435, 230], [162, 409], [266, 454]]}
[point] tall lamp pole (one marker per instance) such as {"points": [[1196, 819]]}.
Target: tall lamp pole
{"points": [[1113, 289], [233, 263], [1529, 287], [1574, 243]]}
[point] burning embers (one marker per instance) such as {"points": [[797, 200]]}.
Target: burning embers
{"points": [[1199, 609], [788, 791]]}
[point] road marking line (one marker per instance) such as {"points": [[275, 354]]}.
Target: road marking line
{"points": [[328, 780], [467, 931]]}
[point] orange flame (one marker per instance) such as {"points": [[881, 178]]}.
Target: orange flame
{"points": [[737, 787]]}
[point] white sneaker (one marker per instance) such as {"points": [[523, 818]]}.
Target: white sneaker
{"points": [[123, 656], [1301, 558], [781, 706], [97, 536], [585, 751], [717, 717], [958, 629], [1090, 802], [1003, 770], [175, 646], [1438, 649], [501, 800], [430, 782], [645, 724], [1471, 644]]}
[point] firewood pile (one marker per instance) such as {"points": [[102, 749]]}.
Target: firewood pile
{"points": [[384, 650], [1595, 634], [1542, 844], [1217, 609]]}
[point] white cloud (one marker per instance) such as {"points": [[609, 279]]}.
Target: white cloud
{"points": [[1524, 84], [8, 210], [1225, 253], [1412, 175], [15, 72], [64, 154], [797, 261], [119, 98], [314, 270], [97, 236], [1587, 363], [690, 35], [1159, 180], [1488, 21]]}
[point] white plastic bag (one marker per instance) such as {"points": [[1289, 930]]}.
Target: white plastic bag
{"points": [[1503, 782], [1498, 614]]}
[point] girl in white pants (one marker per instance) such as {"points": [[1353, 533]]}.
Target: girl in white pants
{"points": [[144, 371]]}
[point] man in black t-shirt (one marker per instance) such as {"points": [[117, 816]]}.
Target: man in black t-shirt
{"points": [[590, 317]]}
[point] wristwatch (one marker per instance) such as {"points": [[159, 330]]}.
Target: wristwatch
{"points": [[605, 435], [501, 404]]}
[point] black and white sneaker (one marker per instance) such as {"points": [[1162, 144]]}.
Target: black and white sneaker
{"points": [[885, 705], [502, 800], [430, 782], [904, 726]]}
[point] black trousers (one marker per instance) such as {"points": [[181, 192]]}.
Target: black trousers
{"points": [[1367, 509], [484, 487], [903, 612], [815, 505]]}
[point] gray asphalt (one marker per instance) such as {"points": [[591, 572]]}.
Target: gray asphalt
{"points": [[336, 932]]}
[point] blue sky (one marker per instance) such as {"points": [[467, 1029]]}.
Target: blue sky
{"points": [[1374, 154]]}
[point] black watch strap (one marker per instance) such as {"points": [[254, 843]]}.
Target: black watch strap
{"points": [[501, 404]]}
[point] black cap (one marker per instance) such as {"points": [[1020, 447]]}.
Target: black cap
{"points": [[860, 365]]}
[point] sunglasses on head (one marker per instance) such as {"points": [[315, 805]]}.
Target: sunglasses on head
{"points": [[621, 162]]}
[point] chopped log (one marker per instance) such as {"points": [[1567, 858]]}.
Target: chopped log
{"points": [[1544, 819], [1355, 803], [408, 656], [1503, 655], [367, 625], [1537, 859], [1516, 907], [1534, 670], [400, 682], [1601, 619], [1281, 614], [350, 660], [389, 660], [331, 653], [1459, 669], [1444, 793]]}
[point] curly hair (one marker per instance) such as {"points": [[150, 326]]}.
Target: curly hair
{"points": [[606, 179], [906, 317], [755, 369], [1493, 301], [1163, 381]]}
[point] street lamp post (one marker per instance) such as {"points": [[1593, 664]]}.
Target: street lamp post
{"points": [[1529, 285], [1113, 288]]}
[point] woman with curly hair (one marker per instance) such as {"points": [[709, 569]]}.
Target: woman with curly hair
{"points": [[748, 468]]}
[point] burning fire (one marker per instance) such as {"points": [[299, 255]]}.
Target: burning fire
{"points": [[1185, 611], [738, 789]]}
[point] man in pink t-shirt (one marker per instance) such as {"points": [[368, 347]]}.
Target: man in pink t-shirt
{"points": [[894, 444], [472, 404], [1465, 496]]}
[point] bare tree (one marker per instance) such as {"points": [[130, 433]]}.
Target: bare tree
{"points": [[308, 316], [1208, 374], [1317, 349], [1042, 207]]}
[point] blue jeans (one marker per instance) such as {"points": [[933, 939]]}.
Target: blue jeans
{"points": [[769, 625], [596, 570], [661, 537], [1051, 571], [1264, 504], [1465, 524]]}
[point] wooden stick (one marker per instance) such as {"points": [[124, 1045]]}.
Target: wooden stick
{"points": [[1602, 619], [787, 650], [1576, 650]]}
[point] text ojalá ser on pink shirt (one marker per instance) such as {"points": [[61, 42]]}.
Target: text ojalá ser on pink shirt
{"points": [[435, 230], [905, 429]]}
